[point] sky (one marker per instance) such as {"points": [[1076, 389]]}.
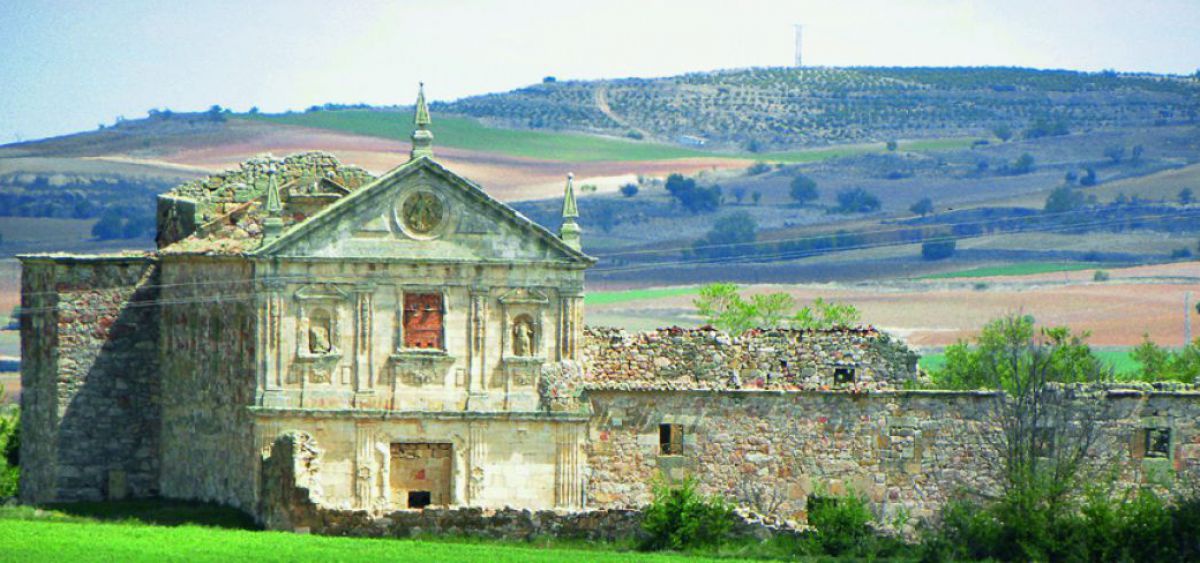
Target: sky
{"points": [[70, 65]]}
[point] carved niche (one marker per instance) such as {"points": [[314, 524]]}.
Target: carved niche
{"points": [[523, 313], [319, 310]]}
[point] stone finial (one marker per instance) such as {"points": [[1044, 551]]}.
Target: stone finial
{"points": [[570, 232], [273, 224], [422, 137]]}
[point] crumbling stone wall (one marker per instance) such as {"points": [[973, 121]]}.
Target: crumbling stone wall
{"points": [[90, 404], [209, 376], [676, 358], [907, 451]]}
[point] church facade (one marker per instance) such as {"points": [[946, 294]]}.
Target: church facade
{"points": [[417, 343]]}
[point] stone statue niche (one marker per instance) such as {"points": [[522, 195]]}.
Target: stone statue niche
{"points": [[524, 337], [320, 333]]}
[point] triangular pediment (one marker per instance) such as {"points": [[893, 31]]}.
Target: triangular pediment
{"points": [[422, 211]]}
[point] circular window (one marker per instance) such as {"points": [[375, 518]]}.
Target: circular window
{"points": [[422, 213]]}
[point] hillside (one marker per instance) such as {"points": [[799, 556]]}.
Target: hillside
{"points": [[778, 108]]}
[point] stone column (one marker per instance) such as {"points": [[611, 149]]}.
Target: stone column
{"points": [[364, 303], [270, 307], [477, 345], [568, 470], [570, 324], [364, 465], [476, 459]]}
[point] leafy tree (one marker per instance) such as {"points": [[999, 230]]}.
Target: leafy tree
{"points": [[1043, 127], [1023, 164], [856, 200], [728, 236], [1003, 133], [629, 190], [253, 110], [1186, 196], [922, 207], [1063, 199], [739, 193], [1135, 156], [1089, 177], [1115, 153], [694, 198], [759, 167], [722, 306], [756, 197], [939, 249], [804, 189], [892, 145], [822, 314]]}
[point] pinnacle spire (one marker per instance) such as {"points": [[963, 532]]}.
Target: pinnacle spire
{"points": [[422, 137], [570, 232], [273, 224]]}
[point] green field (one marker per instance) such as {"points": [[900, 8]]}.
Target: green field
{"points": [[27, 535], [610, 297], [465, 133], [1022, 269], [1119, 359], [469, 134]]}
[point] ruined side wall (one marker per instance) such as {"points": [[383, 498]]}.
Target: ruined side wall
{"points": [[908, 452], [208, 320], [90, 409], [676, 358]]}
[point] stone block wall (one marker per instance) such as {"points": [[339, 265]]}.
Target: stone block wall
{"points": [[89, 343], [906, 451], [208, 380], [676, 358]]}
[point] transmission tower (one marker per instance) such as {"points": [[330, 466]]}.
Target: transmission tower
{"points": [[799, 59]]}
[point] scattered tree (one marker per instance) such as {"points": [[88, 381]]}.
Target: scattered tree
{"points": [[730, 236], [739, 193], [892, 145], [1003, 133], [629, 190], [1063, 199], [856, 200], [922, 207], [1089, 177], [694, 198], [804, 189], [1136, 155], [1023, 164], [756, 197], [759, 167], [1186, 196]]}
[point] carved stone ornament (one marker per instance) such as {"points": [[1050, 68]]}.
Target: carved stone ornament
{"points": [[422, 212]]}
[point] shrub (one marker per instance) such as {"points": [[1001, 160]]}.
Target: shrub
{"points": [[841, 524], [10, 454], [681, 518], [1100, 275], [757, 168]]}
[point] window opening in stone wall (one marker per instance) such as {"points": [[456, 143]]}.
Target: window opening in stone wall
{"points": [[419, 499], [670, 439], [423, 320], [1158, 442], [843, 375]]}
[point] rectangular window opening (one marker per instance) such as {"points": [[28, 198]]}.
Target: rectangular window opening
{"points": [[843, 376], [670, 439], [1158, 442], [419, 499], [423, 320]]}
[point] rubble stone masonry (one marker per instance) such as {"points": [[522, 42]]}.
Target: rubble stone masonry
{"points": [[90, 377]]}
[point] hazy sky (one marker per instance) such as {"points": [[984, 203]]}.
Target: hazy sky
{"points": [[68, 65]]}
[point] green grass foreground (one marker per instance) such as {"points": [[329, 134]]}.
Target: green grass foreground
{"points": [[165, 531]]}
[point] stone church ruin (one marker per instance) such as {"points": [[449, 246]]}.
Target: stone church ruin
{"points": [[321, 347]]}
